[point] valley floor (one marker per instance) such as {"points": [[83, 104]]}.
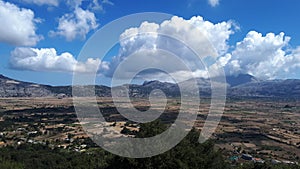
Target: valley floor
{"points": [[265, 130]]}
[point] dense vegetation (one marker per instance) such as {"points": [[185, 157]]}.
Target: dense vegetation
{"points": [[187, 154]]}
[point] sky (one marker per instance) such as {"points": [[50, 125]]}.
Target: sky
{"points": [[40, 40]]}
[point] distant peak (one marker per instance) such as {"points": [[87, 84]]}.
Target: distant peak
{"points": [[241, 75], [3, 77], [151, 82], [235, 80]]}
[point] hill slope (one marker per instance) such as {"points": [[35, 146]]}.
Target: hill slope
{"points": [[237, 86]]}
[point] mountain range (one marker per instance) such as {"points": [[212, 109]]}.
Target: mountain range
{"points": [[242, 85]]}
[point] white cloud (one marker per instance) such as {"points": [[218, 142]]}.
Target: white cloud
{"points": [[264, 56], [43, 2], [76, 25], [195, 33], [192, 31], [218, 33], [222, 61], [213, 3], [175, 77], [97, 5], [19, 25], [47, 59], [74, 3], [107, 2]]}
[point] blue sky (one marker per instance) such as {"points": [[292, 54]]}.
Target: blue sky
{"points": [[54, 24]]}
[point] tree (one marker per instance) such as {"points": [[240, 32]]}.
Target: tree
{"points": [[189, 153]]}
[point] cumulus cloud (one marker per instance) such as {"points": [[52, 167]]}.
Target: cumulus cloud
{"points": [[47, 59], [218, 33], [43, 2], [213, 3], [266, 57], [75, 25], [20, 25], [194, 33]]}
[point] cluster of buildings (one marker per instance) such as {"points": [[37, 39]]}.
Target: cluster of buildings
{"points": [[243, 158]]}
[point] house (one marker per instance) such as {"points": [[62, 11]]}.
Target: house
{"points": [[258, 160], [274, 161], [247, 157]]}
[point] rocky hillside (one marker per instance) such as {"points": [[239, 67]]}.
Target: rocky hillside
{"points": [[273, 88], [13, 88], [237, 86]]}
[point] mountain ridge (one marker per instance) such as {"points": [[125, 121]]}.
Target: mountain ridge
{"points": [[242, 85]]}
